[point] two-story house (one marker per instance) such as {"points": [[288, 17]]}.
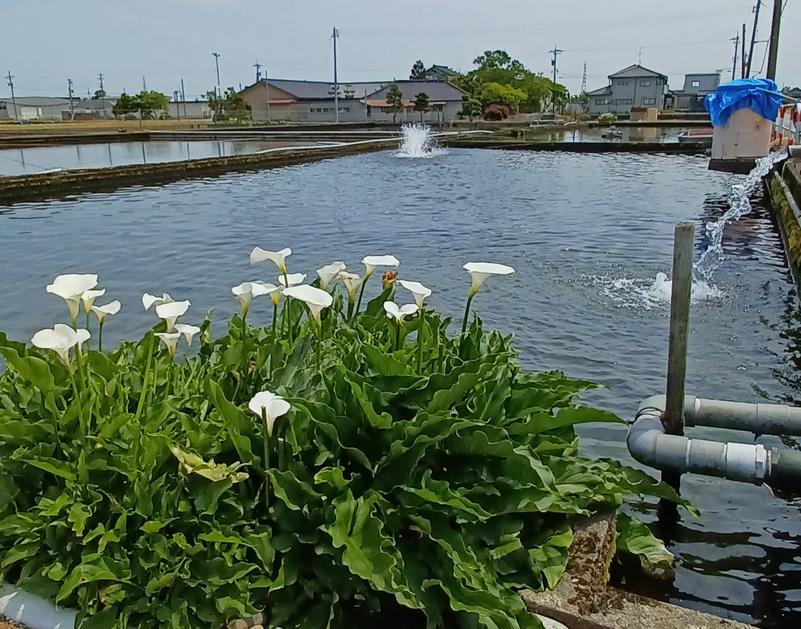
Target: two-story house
{"points": [[634, 86], [696, 87]]}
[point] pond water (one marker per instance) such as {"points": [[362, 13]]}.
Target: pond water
{"points": [[588, 235], [37, 159]]}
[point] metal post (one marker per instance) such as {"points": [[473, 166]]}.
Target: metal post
{"points": [[736, 41], [183, 96], [673, 418], [267, 91], [335, 36], [10, 78], [555, 52], [773, 50], [753, 39], [216, 56], [743, 60], [72, 105]]}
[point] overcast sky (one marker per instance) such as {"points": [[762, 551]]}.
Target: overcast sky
{"points": [[45, 41]]}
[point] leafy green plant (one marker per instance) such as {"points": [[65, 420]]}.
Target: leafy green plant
{"points": [[337, 466]]}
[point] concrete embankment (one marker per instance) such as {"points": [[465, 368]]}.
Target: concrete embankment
{"points": [[54, 184], [784, 186], [580, 147]]}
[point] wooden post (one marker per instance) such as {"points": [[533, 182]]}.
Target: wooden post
{"points": [[673, 418]]}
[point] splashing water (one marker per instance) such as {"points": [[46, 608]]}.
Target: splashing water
{"points": [[739, 206], [418, 141], [638, 293]]}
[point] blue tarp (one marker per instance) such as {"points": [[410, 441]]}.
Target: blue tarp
{"points": [[753, 94]]}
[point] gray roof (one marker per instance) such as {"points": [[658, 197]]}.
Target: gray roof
{"points": [[634, 72], [702, 74], [38, 101], [602, 91], [319, 90], [436, 90]]}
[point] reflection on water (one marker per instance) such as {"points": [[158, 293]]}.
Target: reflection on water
{"points": [[565, 221], [595, 134], [31, 160]]}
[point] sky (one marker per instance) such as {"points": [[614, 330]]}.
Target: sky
{"points": [[45, 42]]}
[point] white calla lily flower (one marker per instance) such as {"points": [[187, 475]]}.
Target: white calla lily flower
{"points": [[294, 279], [329, 273], [352, 282], [277, 257], [371, 262], [61, 339], [110, 308], [149, 300], [399, 313], [480, 271], [315, 298], [71, 287], [418, 291], [269, 407], [88, 298], [187, 331], [246, 291], [171, 310], [170, 340]]}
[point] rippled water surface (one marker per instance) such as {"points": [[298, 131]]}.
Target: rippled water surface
{"points": [[37, 159], [587, 234]]}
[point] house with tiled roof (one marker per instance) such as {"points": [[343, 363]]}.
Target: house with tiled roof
{"points": [[634, 86], [313, 101]]}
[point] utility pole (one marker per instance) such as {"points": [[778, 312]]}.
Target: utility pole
{"points": [[216, 56], [100, 78], [183, 96], [742, 55], [736, 41], [257, 65], [773, 50], [144, 83], [753, 38], [555, 52], [10, 81], [267, 93], [584, 79], [72, 105], [639, 57], [335, 37], [175, 97]]}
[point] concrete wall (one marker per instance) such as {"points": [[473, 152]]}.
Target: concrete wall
{"points": [[193, 110], [350, 110]]}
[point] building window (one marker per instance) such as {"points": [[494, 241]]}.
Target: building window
{"points": [[649, 101], [623, 101], [645, 83], [622, 82], [601, 101], [695, 83]]}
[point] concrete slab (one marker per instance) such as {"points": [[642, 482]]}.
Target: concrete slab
{"points": [[583, 600]]}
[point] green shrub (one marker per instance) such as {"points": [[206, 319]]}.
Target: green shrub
{"points": [[439, 476]]}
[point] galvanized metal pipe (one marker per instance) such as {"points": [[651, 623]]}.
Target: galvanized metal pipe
{"points": [[753, 463]]}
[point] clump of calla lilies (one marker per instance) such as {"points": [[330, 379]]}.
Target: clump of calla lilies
{"points": [[69, 342]]}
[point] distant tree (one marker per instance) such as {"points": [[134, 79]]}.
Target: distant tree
{"points": [[152, 104], [418, 71], [228, 106], [421, 104], [124, 105], [471, 108], [505, 94], [394, 101], [99, 95]]}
